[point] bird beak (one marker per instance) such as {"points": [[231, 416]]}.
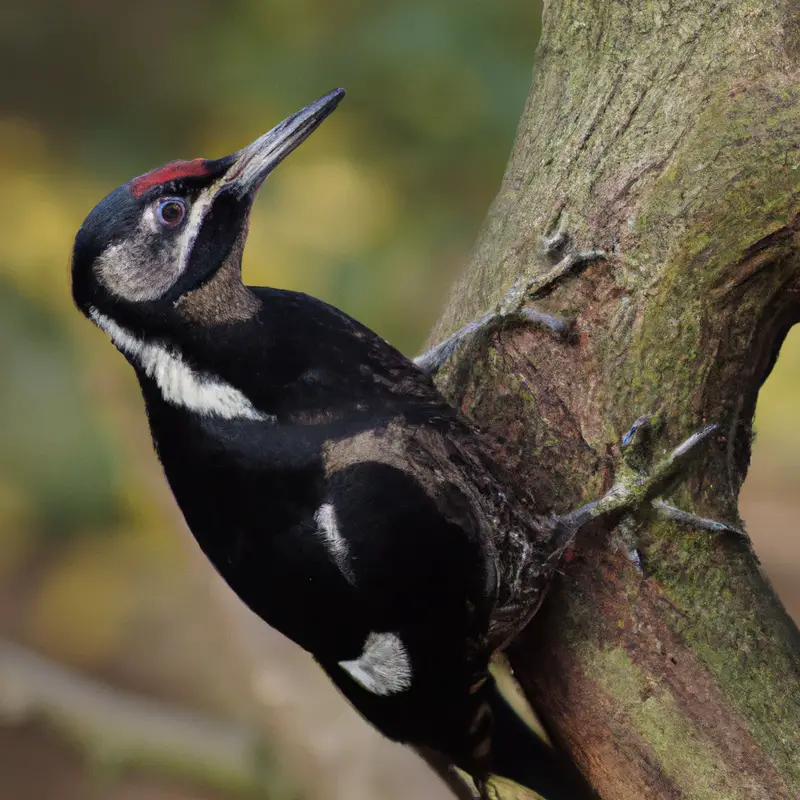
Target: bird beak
{"points": [[252, 164]]}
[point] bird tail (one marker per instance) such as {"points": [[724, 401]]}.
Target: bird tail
{"points": [[520, 754]]}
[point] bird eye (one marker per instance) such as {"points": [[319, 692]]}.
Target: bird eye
{"points": [[170, 212]]}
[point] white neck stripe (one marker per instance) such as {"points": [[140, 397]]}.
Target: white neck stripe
{"points": [[180, 385]]}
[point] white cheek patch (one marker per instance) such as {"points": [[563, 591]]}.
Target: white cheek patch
{"points": [[325, 517], [180, 385], [147, 265], [384, 667], [128, 271]]}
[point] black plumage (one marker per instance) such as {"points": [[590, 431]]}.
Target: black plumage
{"points": [[320, 470]]}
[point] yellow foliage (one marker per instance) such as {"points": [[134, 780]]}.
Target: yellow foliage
{"points": [[81, 611], [316, 212], [776, 415], [41, 208]]}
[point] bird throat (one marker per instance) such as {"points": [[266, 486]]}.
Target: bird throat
{"points": [[222, 299]]}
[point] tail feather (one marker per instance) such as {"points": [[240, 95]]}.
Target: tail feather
{"points": [[520, 755]]}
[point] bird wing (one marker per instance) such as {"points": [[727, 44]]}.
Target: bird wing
{"points": [[324, 362]]}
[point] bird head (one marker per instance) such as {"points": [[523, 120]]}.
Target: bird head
{"points": [[169, 231]]}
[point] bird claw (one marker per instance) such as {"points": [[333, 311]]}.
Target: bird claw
{"points": [[638, 489], [635, 557], [551, 245], [571, 263], [511, 307], [672, 514], [633, 437]]}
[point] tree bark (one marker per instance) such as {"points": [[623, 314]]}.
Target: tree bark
{"points": [[668, 134]]}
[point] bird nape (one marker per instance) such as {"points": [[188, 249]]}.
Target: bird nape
{"points": [[321, 471]]}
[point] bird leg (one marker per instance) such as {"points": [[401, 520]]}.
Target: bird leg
{"points": [[511, 308]]}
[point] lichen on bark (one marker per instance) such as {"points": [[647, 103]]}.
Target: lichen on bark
{"points": [[668, 134]]}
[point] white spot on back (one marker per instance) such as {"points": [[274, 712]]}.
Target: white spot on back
{"points": [[180, 385], [384, 667], [325, 517]]}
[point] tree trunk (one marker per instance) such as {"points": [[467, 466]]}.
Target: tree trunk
{"points": [[668, 134]]}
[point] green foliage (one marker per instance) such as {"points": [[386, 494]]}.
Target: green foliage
{"points": [[53, 452]]}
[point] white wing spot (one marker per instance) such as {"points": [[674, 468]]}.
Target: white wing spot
{"points": [[384, 667], [325, 517], [180, 385]]}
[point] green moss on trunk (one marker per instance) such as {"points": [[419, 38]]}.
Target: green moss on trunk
{"points": [[668, 134]]}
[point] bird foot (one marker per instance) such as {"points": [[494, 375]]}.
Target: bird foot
{"points": [[511, 308], [668, 512], [639, 488], [525, 289], [637, 453]]}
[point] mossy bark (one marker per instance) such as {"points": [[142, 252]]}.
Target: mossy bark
{"points": [[668, 134]]}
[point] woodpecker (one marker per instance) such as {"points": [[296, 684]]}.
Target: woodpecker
{"points": [[321, 471]]}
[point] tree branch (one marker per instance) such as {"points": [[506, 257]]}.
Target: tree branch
{"points": [[120, 730], [667, 134]]}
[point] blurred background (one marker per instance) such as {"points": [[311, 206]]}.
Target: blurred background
{"points": [[127, 671]]}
